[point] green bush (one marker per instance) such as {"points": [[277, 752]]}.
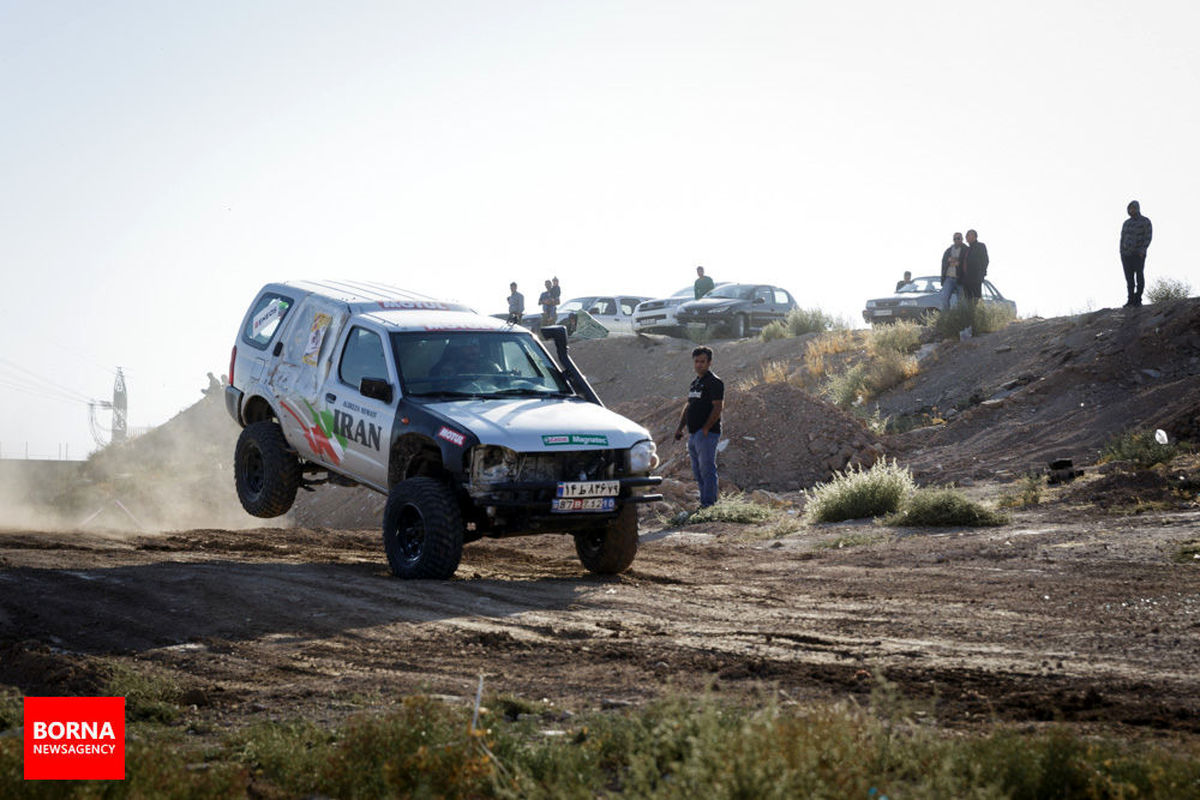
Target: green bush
{"points": [[774, 330], [800, 321], [857, 493], [1164, 290], [885, 369], [944, 508], [903, 336], [980, 318], [1139, 448], [150, 694]]}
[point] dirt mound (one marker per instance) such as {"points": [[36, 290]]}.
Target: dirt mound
{"points": [[775, 437], [1045, 389]]}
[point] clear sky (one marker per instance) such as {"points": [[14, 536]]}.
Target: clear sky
{"points": [[160, 161]]}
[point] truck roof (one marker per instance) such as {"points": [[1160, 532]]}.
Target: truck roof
{"points": [[398, 308]]}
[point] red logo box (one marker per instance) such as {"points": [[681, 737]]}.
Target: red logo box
{"points": [[74, 738]]}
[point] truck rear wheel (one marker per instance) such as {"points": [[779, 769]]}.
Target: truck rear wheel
{"points": [[265, 470], [611, 549], [422, 530]]}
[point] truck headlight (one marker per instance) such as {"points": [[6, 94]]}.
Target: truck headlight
{"points": [[492, 464], [870, 304], [643, 456]]}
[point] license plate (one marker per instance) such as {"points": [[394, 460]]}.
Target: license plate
{"points": [[566, 505], [883, 312], [589, 489]]}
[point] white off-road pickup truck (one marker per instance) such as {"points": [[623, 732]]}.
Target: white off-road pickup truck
{"points": [[467, 423]]}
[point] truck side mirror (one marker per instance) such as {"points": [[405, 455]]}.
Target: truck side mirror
{"points": [[376, 389]]}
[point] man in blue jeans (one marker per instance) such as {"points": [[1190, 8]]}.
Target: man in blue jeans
{"points": [[701, 418]]}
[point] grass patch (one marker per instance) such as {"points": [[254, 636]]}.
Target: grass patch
{"points": [[825, 346], [673, 748], [732, 508], [12, 709], [858, 493], [1027, 493], [1139, 448], [1166, 290], [944, 508], [150, 695], [1188, 552], [858, 539]]}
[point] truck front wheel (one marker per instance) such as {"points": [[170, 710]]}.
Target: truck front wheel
{"points": [[422, 530], [265, 470], [610, 549]]}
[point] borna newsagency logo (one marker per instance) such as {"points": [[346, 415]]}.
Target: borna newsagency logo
{"points": [[74, 738]]}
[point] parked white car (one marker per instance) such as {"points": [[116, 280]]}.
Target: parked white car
{"points": [[614, 312], [657, 315]]}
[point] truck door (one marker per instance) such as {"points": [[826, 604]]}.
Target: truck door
{"points": [[304, 365], [363, 425]]}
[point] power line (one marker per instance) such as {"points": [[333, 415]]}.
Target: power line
{"points": [[43, 379]]}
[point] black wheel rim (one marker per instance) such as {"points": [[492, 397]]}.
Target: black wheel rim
{"points": [[256, 473], [410, 533], [593, 542]]}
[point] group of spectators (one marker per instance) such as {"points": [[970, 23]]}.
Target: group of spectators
{"points": [[965, 265], [549, 300]]}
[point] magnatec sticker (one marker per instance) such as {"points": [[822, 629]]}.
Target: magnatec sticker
{"points": [[592, 439]]}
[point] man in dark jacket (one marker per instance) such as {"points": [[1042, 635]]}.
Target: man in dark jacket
{"points": [[1135, 238], [975, 267]]}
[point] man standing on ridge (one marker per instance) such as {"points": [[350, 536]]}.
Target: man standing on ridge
{"points": [[1135, 238], [516, 304], [703, 285], [701, 418], [975, 267], [952, 269]]}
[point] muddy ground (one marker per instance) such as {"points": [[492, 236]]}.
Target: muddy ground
{"points": [[1063, 615]]}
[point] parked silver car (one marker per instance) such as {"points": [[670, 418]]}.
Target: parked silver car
{"points": [[921, 295], [658, 315]]}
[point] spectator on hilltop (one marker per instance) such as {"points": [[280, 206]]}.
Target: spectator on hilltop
{"points": [[907, 279], [549, 304], [703, 284], [1135, 238], [952, 269], [974, 267], [516, 304]]}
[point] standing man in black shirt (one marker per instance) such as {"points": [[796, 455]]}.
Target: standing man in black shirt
{"points": [[701, 418]]}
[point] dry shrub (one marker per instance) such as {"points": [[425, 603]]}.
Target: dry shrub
{"points": [[864, 380], [827, 344], [945, 508], [857, 493], [775, 372], [1164, 290]]}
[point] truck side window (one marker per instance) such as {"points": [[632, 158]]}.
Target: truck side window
{"points": [[362, 357], [265, 319]]}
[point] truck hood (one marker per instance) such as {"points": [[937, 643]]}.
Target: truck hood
{"points": [[530, 425]]}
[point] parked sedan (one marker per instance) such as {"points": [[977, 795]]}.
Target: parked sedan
{"points": [[738, 308], [658, 315], [614, 312], [921, 295]]}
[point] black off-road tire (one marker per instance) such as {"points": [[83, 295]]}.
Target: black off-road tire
{"points": [[422, 530], [740, 326], [611, 549], [265, 469]]}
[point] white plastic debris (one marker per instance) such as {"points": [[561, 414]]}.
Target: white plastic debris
{"points": [[1160, 436]]}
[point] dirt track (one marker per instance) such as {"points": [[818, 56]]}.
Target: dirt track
{"points": [[1053, 617]]}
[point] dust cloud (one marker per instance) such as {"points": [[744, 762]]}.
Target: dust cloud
{"points": [[177, 476]]}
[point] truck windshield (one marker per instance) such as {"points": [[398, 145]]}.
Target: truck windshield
{"points": [[449, 364]]}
